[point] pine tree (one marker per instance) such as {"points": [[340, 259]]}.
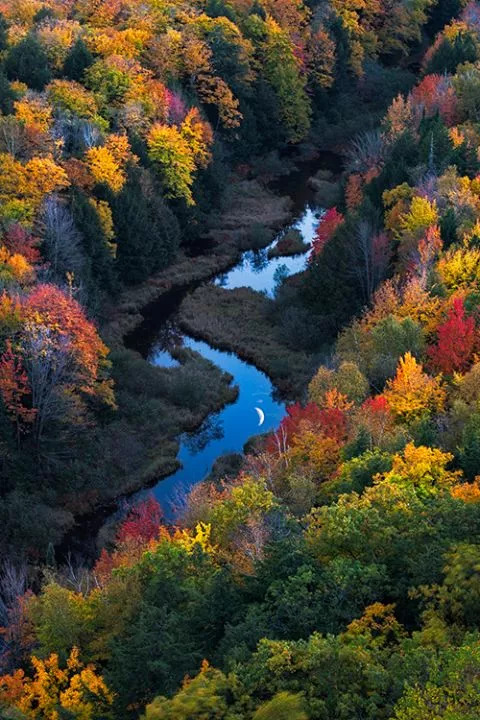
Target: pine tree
{"points": [[3, 33], [100, 271], [28, 62], [147, 232], [79, 58], [7, 96]]}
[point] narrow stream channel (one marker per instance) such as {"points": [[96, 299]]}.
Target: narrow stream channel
{"points": [[228, 430]]}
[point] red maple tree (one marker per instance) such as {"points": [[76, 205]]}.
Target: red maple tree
{"points": [[18, 241], [435, 94], [329, 422], [15, 389], [455, 341], [67, 324], [141, 523], [325, 230]]}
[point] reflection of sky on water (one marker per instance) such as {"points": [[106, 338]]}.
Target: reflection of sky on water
{"points": [[223, 432], [256, 271]]}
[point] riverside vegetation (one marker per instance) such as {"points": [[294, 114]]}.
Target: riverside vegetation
{"points": [[129, 135], [336, 575]]}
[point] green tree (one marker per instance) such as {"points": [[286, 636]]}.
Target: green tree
{"points": [[174, 159], [62, 620], [186, 601], [282, 71], [386, 526], [231, 54], [344, 676], [28, 62], [78, 59], [100, 265], [7, 96], [206, 696], [457, 599], [469, 451], [467, 86], [310, 599], [146, 230], [109, 83], [283, 706], [453, 52], [391, 339], [357, 474], [3, 33], [452, 690]]}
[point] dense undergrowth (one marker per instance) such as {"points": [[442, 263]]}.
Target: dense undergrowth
{"points": [[337, 576]]}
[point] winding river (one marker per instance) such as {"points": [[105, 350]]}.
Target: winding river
{"points": [[227, 431]]}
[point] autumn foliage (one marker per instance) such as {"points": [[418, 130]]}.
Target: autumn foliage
{"points": [[336, 574], [142, 522], [412, 392], [64, 322], [325, 230], [15, 389], [435, 93], [75, 689], [456, 341]]}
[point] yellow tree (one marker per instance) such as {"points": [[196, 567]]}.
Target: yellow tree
{"points": [[53, 691], [283, 71], [43, 176], [34, 113], [421, 216], [314, 454], [459, 268], [412, 393], [72, 97], [424, 468], [107, 162], [199, 137], [23, 187], [104, 168], [170, 150]]}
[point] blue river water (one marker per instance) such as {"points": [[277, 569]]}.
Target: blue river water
{"points": [[228, 430], [257, 272]]}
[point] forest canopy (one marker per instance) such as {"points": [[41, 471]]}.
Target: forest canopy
{"points": [[336, 574]]}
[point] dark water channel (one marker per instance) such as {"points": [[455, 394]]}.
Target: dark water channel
{"points": [[259, 407]]}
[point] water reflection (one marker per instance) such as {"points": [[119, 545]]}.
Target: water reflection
{"points": [[280, 274], [211, 429], [168, 338], [258, 260], [256, 271], [162, 358], [228, 431], [223, 432]]}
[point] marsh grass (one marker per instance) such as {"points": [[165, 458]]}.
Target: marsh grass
{"points": [[156, 405], [240, 321]]}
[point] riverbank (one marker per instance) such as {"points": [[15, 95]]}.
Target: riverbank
{"points": [[239, 321], [247, 207], [157, 404], [140, 446], [250, 217]]}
